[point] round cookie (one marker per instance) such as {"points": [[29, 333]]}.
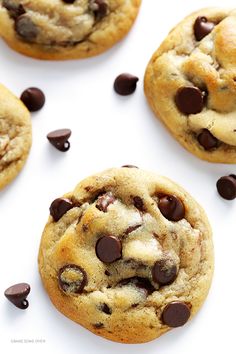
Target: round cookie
{"points": [[190, 84], [128, 255], [15, 136], [57, 29]]}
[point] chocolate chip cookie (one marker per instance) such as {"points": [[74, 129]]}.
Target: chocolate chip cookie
{"points": [[128, 255], [190, 84], [61, 29], [15, 136]]}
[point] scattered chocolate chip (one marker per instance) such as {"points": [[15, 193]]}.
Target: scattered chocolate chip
{"points": [[59, 207], [164, 273], [108, 249], [132, 228], [15, 10], [17, 295], [202, 27], [189, 100], [138, 203], [125, 84], [98, 325], [106, 309], [171, 207], [59, 139], [129, 166], [33, 98], [226, 187], [104, 201], [69, 1], [207, 140], [26, 28], [99, 7], [176, 314], [72, 279], [141, 283]]}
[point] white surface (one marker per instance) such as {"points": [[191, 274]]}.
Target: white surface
{"points": [[108, 131]]}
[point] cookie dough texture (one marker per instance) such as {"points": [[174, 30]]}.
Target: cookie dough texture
{"points": [[15, 136], [208, 64], [55, 30], [119, 300]]}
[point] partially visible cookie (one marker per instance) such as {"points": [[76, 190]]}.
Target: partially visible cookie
{"points": [[15, 136], [128, 255], [58, 29], [190, 84]]}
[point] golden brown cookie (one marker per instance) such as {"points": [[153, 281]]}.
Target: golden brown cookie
{"points": [[57, 29], [15, 136], [190, 84], [128, 255]]}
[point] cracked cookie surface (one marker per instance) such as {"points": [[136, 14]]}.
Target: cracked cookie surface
{"points": [[57, 30], [15, 136], [128, 255], [190, 84]]}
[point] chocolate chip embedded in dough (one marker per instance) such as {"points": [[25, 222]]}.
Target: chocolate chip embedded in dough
{"points": [[202, 27], [15, 10], [176, 314], [190, 100], [171, 207], [138, 203], [59, 207], [163, 272], [26, 28], [99, 7], [207, 140], [72, 279], [108, 249]]}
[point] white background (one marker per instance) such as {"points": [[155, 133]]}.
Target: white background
{"points": [[108, 131]]}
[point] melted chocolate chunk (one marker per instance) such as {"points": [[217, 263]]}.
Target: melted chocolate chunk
{"points": [[207, 140], [164, 273], [190, 100], [141, 283], [15, 10], [25, 28], [138, 203], [72, 279], [104, 201], [106, 309]]}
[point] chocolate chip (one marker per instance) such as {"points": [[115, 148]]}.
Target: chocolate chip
{"points": [[108, 249], [132, 228], [129, 166], [207, 140], [59, 207], [226, 187], [138, 203], [164, 273], [98, 325], [33, 98], [141, 283], [26, 28], [202, 27], [107, 273], [99, 7], [189, 100], [125, 84], [15, 10], [176, 314], [17, 295], [171, 207], [106, 309], [72, 279], [104, 201], [69, 1], [59, 139]]}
